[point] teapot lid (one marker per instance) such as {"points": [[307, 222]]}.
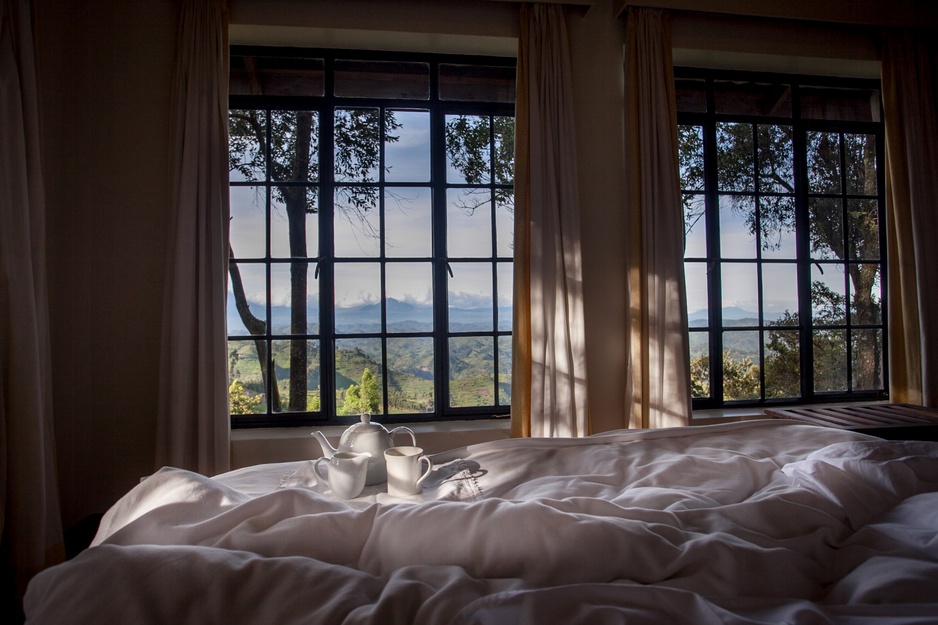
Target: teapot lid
{"points": [[367, 425]]}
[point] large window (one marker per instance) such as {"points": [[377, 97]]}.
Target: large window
{"points": [[784, 260], [371, 236]]}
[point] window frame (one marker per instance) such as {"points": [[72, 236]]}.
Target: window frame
{"points": [[325, 264], [714, 261]]}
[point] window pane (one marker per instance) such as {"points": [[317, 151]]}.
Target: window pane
{"points": [[840, 104], [695, 279], [468, 223], [777, 224], [470, 297], [830, 360], [247, 392], [866, 292], [468, 149], [823, 162], [296, 389], [860, 154], [735, 167], [471, 371], [828, 298], [780, 294], [867, 353], [776, 172], [248, 223], [302, 219], [275, 75], [740, 365], [292, 287], [382, 79], [752, 98], [357, 145], [863, 229], [410, 375], [407, 146], [246, 160], [356, 223], [691, 157], [504, 371], [505, 277], [695, 225], [504, 134], [357, 297], [827, 228], [737, 219], [358, 376], [505, 223], [294, 149], [740, 286], [409, 288], [476, 83], [782, 364], [700, 364], [247, 299], [408, 222]]}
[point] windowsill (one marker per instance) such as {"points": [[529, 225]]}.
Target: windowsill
{"points": [[722, 415], [475, 425]]}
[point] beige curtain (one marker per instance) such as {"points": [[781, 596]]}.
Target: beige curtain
{"points": [[658, 386], [910, 102], [193, 428], [30, 522], [549, 354]]}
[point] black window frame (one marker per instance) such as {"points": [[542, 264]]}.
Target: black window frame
{"points": [[325, 263]]}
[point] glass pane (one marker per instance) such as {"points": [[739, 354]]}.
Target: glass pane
{"points": [[247, 299], [247, 392], [476, 83], [248, 225], [776, 154], [409, 290], [695, 280], [245, 156], [860, 154], [860, 105], [471, 371], [303, 216], [691, 157], [357, 150], [780, 294], [777, 222], [468, 149], [741, 365], [468, 223], [356, 223], [735, 167], [504, 371], [275, 75], [867, 356], [407, 146], [823, 162], [410, 375], [866, 295], [505, 284], [292, 287], [740, 286], [408, 222], [782, 364], [470, 297], [695, 226], [752, 98], [700, 364], [863, 229], [357, 297], [296, 388], [828, 294], [504, 223], [358, 376], [294, 148], [504, 131], [691, 95], [830, 360], [827, 228], [737, 226], [382, 79]]}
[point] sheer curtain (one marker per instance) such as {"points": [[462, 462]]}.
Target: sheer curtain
{"points": [[193, 428], [30, 522], [658, 389], [910, 87], [548, 354]]}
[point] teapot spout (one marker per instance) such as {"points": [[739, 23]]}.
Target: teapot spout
{"points": [[327, 449]]}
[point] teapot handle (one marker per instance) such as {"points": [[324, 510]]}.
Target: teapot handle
{"points": [[319, 472], [404, 428]]}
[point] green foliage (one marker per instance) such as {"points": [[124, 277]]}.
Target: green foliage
{"points": [[240, 402], [365, 398]]}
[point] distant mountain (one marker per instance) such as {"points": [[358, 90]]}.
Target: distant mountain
{"points": [[732, 315]]}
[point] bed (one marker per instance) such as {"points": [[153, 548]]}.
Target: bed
{"points": [[756, 522]]}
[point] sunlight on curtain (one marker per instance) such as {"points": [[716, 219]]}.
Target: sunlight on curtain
{"points": [[910, 87], [658, 389], [549, 352], [193, 427], [29, 511]]}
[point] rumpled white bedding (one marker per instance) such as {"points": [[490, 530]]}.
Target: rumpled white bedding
{"points": [[756, 522]]}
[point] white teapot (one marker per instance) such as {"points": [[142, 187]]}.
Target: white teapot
{"points": [[366, 437]]}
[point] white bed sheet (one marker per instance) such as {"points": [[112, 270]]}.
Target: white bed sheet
{"points": [[756, 522]]}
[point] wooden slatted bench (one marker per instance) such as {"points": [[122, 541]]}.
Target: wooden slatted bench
{"points": [[890, 421]]}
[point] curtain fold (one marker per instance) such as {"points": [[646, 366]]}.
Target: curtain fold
{"points": [[658, 385], [548, 353], [910, 87], [193, 426], [30, 521]]}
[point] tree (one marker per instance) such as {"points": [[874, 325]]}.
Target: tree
{"points": [[365, 398], [239, 402]]}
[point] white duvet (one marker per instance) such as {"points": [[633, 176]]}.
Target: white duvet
{"points": [[758, 522]]}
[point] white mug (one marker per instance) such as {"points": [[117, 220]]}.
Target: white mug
{"points": [[404, 476], [347, 471]]}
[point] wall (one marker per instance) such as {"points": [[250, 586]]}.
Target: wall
{"points": [[106, 71]]}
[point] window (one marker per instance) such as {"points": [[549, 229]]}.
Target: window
{"points": [[371, 236], [782, 188]]}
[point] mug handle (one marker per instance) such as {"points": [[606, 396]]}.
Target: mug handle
{"points": [[318, 472], [404, 428], [429, 468]]}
